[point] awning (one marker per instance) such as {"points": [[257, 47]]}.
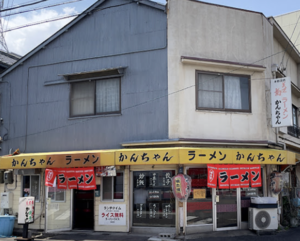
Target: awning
{"points": [[58, 159], [148, 156]]}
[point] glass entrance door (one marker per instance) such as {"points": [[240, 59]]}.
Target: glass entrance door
{"points": [[226, 209], [58, 209]]}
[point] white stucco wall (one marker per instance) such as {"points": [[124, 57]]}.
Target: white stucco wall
{"points": [[213, 32]]}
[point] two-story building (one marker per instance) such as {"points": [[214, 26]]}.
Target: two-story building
{"points": [[151, 90]]}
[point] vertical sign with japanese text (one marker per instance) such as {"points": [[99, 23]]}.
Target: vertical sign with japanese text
{"points": [[281, 102]]}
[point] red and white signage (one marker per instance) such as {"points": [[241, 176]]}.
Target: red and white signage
{"points": [[255, 176], [50, 175], [233, 176], [181, 186], [223, 176], [244, 176], [281, 99], [212, 176], [72, 178]]}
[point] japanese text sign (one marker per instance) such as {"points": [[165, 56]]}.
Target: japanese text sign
{"points": [[26, 210], [181, 186], [212, 176], [281, 99], [151, 156], [39, 160], [234, 176], [112, 214], [74, 178]]}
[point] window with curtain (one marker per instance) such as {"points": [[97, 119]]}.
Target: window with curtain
{"points": [[95, 97], [222, 92]]}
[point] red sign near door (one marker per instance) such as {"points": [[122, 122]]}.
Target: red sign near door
{"points": [[233, 176]]}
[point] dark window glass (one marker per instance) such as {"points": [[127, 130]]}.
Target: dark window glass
{"points": [[31, 186], [118, 186], [153, 200], [107, 188]]}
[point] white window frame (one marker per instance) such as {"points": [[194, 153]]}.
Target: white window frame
{"points": [[55, 201], [113, 200], [94, 96], [30, 175]]}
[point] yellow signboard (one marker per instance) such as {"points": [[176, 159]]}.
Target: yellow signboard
{"points": [[235, 156], [57, 160], [199, 193], [157, 156], [150, 156]]}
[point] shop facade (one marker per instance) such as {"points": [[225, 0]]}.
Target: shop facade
{"points": [[139, 198]]}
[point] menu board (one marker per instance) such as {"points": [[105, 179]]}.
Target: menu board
{"points": [[141, 180], [199, 193], [167, 210], [153, 210], [154, 179], [140, 210], [154, 195], [26, 210]]}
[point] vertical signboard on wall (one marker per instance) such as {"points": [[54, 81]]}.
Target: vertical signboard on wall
{"points": [[26, 210], [281, 102]]}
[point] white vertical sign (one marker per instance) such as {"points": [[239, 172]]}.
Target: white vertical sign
{"points": [[281, 98], [26, 210]]}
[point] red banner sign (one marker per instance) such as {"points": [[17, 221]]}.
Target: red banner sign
{"points": [[223, 176], [233, 176], [212, 176], [244, 176], [72, 178], [255, 176], [50, 176]]}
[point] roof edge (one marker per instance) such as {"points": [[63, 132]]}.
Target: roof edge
{"points": [[69, 25]]}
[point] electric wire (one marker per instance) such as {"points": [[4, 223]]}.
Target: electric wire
{"points": [[281, 63], [21, 6], [39, 8], [90, 118], [40, 22]]}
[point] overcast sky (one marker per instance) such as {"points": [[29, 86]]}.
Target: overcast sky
{"points": [[23, 40]]}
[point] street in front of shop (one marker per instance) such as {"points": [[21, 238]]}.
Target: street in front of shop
{"points": [[239, 235]]}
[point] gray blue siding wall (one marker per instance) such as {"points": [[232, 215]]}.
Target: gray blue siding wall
{"points": [[118, 33]]}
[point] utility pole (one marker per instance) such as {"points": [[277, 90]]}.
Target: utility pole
{"points": [[3, 45]]}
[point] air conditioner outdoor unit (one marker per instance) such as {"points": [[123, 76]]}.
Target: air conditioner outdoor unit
{"points": [[263, 219]]}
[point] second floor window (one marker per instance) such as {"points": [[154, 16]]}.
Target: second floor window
{"points": [[294, 130], [222, 92], [95, 97]]}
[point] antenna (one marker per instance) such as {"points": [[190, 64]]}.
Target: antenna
{"points": [[3, 45]]}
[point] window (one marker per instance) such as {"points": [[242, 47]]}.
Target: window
{"points": [[95, 97], [56, 195], [222, 92], [113, 188], [31, 186], [153, 199], [199, 211], [294, 130]]}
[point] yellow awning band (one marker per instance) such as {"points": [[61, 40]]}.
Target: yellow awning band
{"points": [[149, 156]]}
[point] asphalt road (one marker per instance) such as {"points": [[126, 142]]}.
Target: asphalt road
{"points": [[292, 234]]}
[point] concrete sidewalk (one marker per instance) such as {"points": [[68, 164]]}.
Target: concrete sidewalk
{"points": [[292, 234]]}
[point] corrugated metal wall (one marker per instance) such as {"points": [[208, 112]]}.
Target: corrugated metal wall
{"points": [[126, 35]]}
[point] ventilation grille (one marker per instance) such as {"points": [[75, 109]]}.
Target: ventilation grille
{"points": [[262, 219]]}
